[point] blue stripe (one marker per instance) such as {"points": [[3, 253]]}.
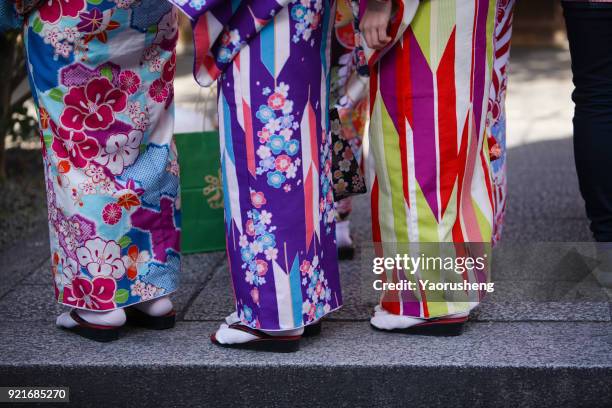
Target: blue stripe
{"points": [[267, 47], [227, 128], [226, 196], [326, 34], [324, 60], [296, 293]]}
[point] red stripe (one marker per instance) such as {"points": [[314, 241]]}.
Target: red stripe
{"points": [[201, 41], [375, 212], [308, 208], [461, 158], [404, 101], [211, 67], [487, 173], [312, 123], [445, 320], [503, 50], [248, 128], [447, 119], [507, 25]]}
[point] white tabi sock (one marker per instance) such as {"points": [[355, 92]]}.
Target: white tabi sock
{"points": [[386, 321], [343, 234], [115, 318], [156, 307], [227, 335]]}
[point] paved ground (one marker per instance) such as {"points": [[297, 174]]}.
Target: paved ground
{"points": [[544, 338]]}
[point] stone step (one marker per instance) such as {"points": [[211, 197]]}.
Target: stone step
{"points": [[501, 364]]}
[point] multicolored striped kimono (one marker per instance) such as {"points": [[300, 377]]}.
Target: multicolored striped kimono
{"points": [[430, 135], [271, 63], [102, 74]]}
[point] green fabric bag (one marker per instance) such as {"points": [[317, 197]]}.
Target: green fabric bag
{"points": [[203, 226]]}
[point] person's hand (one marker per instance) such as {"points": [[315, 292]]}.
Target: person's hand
{"points": [[375, 23]]}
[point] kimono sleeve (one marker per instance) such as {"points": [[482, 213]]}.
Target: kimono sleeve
{"points": [[401, 19]]}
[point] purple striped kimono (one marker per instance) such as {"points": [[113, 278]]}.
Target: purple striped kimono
{"points": [[271, 63]]}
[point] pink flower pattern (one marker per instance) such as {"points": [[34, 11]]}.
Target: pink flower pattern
{"points": [[129, 82], [159, 91], [75, 146], [95, 294], [111, 213], [97, 120], [93, 106], [51, 11]]}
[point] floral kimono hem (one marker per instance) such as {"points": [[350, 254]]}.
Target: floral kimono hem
{"points": [[106, 121], [275, 154]]}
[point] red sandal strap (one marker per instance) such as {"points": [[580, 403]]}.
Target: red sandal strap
{"points": [[84, 323], [259, 334], [443, 320]]}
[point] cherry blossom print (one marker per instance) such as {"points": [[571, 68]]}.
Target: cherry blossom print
{"points": [[282, 162], [149, 292], [88, 188], [137, 288], [258, 199], [65, 270], [276, 101], [95, 173], [250, 228], [120, 151], [111, 213], [261, 267], [129, 82], [64, 49], [53, 36], [159, 91], [71, 34], [101, 258], [107, 186], [306, 267]]}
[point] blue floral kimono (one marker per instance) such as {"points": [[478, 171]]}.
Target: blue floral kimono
{"points": [[101, 74]]}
